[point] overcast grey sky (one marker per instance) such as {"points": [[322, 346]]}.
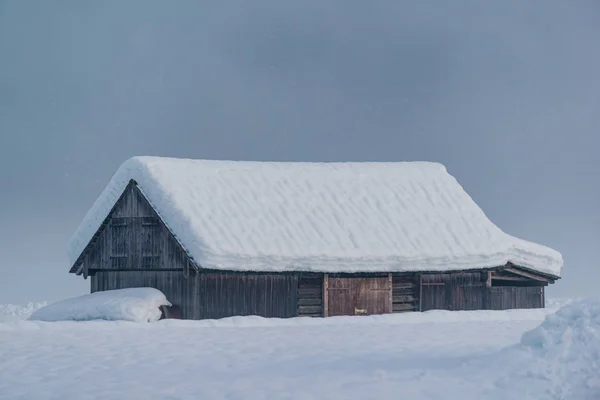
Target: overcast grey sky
{"points": [[506, 94]]}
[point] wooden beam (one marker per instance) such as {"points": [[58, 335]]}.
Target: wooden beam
{"points": [[527, 274], [79, 269], [391, 301], [325, 295], [487, 292], [543, 297], [488, 281], [420, 292], [403, 299], [509, 278]]}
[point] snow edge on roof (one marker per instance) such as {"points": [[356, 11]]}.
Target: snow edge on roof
{"points": [[516, 251]]}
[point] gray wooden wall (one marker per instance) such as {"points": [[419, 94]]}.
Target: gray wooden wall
{"points": [[468, 291], [218, 295], [509, 297], [212, 295], [135, 238]]}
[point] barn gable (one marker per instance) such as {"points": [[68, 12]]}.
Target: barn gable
{"points": [[132, 237]]}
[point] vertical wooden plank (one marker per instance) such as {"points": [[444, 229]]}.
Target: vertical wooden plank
{"points": [[85, 270], [193, 295], [293, 288], [103, 258], [251, 297], [391, 300], [261, 293], [209, 290], [108, 240], [221, 284], [132, 243], [199, 290], [543, 297], [325, 295], [112, 280], [255, 299], [421, 292], [278, 304], [184, 297]]}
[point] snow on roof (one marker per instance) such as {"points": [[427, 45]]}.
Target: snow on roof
{"points": [[325, 217]]}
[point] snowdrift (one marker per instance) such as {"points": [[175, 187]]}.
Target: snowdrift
{"points": [[559, 359], [134, 304], [567, 346], [14, 312]]}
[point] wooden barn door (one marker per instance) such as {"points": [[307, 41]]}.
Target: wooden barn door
{"points": [[358, 296], [434, 296]]}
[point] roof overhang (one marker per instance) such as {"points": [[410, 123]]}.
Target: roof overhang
{"points": [[529, 273]]}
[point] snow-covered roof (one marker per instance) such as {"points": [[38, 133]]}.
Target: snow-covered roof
{"points": [[326, 217]]}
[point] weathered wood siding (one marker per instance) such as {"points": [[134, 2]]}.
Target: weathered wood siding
{"points": [[469, 291], [510, 297], [453, 291], [212, 295], [219, 295], [135, 238], [405, 292], [310, 296]]}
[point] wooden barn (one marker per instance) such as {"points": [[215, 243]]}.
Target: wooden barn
{"points": [[226, 238]]}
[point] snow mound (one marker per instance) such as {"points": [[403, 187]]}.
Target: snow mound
{"points": [[13, 312], [134, 304], [560, 359], [569, 343], [558, 302], [322, 217]]}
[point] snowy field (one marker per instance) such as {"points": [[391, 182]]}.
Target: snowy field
{"points": [[433, 355]]}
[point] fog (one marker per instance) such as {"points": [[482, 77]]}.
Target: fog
{"points": [[505, 94]]}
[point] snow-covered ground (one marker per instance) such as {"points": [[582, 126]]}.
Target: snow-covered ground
{"points": [[433, 355]]}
